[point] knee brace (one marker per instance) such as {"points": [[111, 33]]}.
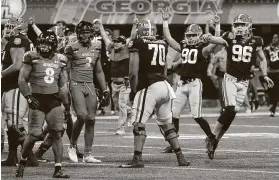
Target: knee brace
{"points": [[139, 129], [227, 117], [169, 131]]}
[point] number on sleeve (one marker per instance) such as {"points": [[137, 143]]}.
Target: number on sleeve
{"points": [[49, 75], [158, 48], [242, 53], [189, 56], [274, 56]]}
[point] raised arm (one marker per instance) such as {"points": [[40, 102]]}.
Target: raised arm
{"points": [[165, 16], [34, 26], [103, 33]]}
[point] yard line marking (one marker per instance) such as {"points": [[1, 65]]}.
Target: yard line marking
{"points": [[247, 115], [172, 168], [195, 124], [207, 169]]}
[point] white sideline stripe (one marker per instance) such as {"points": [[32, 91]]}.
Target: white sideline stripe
{"points": [[175, 168], [185, 149], [195, 124], [247, 115]]}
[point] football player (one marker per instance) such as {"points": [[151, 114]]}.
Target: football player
{"points": [[83, 63], [14, 104], [59, 30], [194, 50], [241, 55], [272, 53], [150, 90], [46, 72]]}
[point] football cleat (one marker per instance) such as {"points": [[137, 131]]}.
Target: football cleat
{"points": [[135, 163], [20, 168], [72, 152], [181, 159], [211, 153], [209, 140], [120, 132], [272, 114], [167, 150], [90, 159], [60, 174]]}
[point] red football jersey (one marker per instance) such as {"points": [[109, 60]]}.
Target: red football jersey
{"points": [[45, 74], [82, 61]]}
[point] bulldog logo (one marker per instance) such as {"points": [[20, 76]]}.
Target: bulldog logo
{"points": [[12, 8]]}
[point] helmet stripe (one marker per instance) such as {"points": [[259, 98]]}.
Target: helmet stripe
{"points": [[149, 24]]}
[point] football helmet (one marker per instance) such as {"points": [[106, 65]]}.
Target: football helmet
{"points": [[84, 31], [58, 30], [147, 29], [193, 34], [46, 43], [8, 30], [21, 27], [242, 26]]}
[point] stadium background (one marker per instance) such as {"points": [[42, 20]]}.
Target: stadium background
{"points": [[47, 13]]}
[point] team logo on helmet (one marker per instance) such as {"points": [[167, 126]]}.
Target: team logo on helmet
{"points": [[12, 8]]}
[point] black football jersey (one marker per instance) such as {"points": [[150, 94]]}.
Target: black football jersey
{"points": [[18, 41], [152, 59], [241, 55], [193, 63], [272, 54]]}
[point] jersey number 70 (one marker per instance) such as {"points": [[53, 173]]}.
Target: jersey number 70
{"points": [[160, 50]]}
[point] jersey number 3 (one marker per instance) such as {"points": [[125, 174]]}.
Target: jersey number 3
{"points": [[158, 49], [242, 53], [49, 75]]}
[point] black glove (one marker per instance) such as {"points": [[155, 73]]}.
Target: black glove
{"points": [[33, 102], [105, 98], [132, 96]]}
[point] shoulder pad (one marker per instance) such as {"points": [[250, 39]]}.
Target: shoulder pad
{"points": [[97, 44], [29, 57]]}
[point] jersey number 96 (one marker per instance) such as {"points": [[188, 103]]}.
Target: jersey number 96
{"points": [[240, 53]]}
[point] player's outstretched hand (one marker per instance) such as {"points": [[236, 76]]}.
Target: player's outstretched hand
{"points": [[269, 82], [216, 18], [33, 102], [165, 13], [136, 20]]}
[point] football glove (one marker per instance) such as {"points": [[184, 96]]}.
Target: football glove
{"points": [[105, 98], [33, 102]]}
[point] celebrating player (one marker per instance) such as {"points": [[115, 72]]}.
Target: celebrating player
{"points": [[46, 72], [14, 104], [150, 90], [241, 55], [83, 62], [272, 53], [194, 51]]}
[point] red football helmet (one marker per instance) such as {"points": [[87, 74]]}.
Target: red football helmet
{"points": [[147, 29], [193, 34], [242, 26]]}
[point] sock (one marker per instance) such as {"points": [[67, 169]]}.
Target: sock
{"points": [[204, 125], [57, 167], [137, 153]]}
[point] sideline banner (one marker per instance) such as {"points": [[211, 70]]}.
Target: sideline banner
{"points": [[123, 11]]}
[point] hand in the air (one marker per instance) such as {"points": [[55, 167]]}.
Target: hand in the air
{"points": [[165, 12], [32, 20], [33, 102], [269, 82], [216, 18]]}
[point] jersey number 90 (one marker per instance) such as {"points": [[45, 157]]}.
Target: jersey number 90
{"points": [[241, 53], [160, 50]]}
